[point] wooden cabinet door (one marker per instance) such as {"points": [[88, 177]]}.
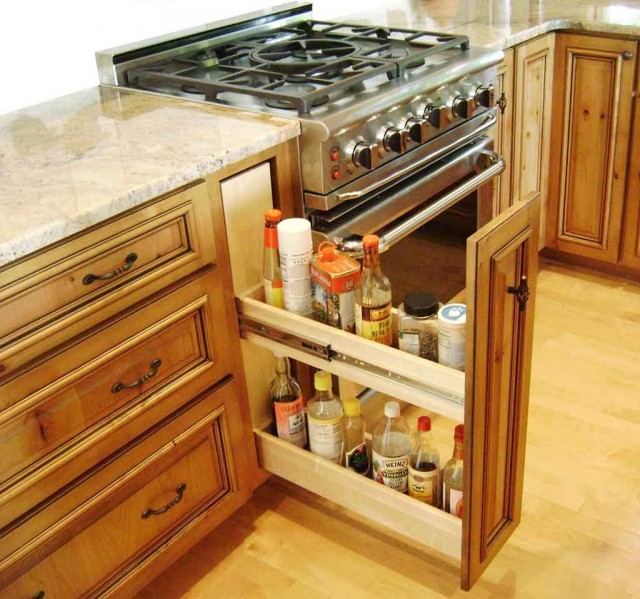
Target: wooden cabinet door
{"points": [[502, 134], [631, 239], [532, 122], [593, 94], [501, 258]]}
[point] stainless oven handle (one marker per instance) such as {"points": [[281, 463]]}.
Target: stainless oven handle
{"points": [[354, 195], [353, 247]]}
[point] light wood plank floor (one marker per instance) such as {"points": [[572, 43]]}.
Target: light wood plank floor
{"points": [[580, 531]]}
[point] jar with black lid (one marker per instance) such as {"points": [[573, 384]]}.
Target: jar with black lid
{"points": [[418, 325]]}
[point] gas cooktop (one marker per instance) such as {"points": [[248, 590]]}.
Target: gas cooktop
{"points": [[296, 67]]}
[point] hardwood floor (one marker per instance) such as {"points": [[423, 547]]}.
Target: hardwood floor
{"points": [[580, 530]]}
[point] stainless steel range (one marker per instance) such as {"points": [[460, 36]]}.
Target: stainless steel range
{"points": [[393, 120]]}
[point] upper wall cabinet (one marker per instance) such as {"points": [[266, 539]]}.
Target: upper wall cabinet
{"points": [[593, 95]]}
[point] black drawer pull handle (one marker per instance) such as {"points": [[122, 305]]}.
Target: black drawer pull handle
{"points": [[128, 263], [145, 377], [180, 489], [38, 595], [521, 292]]}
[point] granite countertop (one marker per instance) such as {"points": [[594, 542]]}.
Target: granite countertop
{"points": [[72, 162], [492, 23]]}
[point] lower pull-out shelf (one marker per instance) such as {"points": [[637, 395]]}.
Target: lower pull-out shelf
{"points": [[418, 521]]}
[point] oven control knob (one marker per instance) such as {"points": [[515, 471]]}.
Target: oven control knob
{"points": [[435, 115], [485, 96], [418, 129], [463, 107], [395, 140], [365, 155]]}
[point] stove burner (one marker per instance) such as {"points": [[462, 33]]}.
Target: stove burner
{"points": [[295, 89], [300, 55]]}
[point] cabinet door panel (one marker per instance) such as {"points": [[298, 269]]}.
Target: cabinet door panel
{"points": [[501, 256], [592, 140]]}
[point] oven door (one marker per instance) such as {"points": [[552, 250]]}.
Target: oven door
{"points": [[395, 211]]}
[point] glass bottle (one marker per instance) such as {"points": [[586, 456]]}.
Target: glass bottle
{"points": [[424, 466], [418, 325], [355, 446], [452, 476], [288, 404], [271, 261], [324, 415], [373, 297], [391, 449]]}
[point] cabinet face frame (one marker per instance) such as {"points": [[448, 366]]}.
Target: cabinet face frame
{"points": [[532, 122], [586, 192], [503, 132], [631, 233]]}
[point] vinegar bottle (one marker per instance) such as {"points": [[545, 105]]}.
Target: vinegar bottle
{"points": [[271, 260], [391, 449], [324, 415], [452, 476], [355, 446], [288, 404], [373, 297], [424, 466]]}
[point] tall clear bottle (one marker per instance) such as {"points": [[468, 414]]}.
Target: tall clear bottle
{"points": [[271, 260], [452, 476], [355, 446], [424, 466], [391, 449], [373, 297], [324, 415], [288, 404]]}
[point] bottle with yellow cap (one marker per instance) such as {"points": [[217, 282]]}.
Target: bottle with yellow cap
{"points": [[373, 297], [355, 446], [324, 417]]}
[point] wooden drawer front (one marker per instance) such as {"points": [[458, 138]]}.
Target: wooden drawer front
{"points": [[174, 349], [70, 398], [191, 473], [170, 238]]}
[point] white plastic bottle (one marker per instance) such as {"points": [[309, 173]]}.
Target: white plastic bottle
{"points": [[392, 448], [295, 248], [324, 416]]}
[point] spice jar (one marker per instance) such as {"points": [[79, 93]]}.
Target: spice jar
{"points": [[418, 325]]}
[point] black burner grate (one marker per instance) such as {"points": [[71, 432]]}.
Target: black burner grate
{"points": [[297, 67]]}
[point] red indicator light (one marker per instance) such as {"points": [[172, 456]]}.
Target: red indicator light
{"points": [[334, 154], [335, 173]]}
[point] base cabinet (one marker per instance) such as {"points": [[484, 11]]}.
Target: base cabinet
{"points": [[490, 397], [594, 93]]}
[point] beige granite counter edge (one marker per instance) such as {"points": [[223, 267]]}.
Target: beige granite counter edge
{"points": [[556, 25], [67, 225]]}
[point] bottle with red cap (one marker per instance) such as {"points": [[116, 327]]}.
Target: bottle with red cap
{"points": [[452, 476], [271, 261], [424, 466], [373, 297]]}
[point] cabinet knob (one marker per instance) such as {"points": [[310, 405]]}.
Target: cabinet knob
{"points": [[627, 55]]}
